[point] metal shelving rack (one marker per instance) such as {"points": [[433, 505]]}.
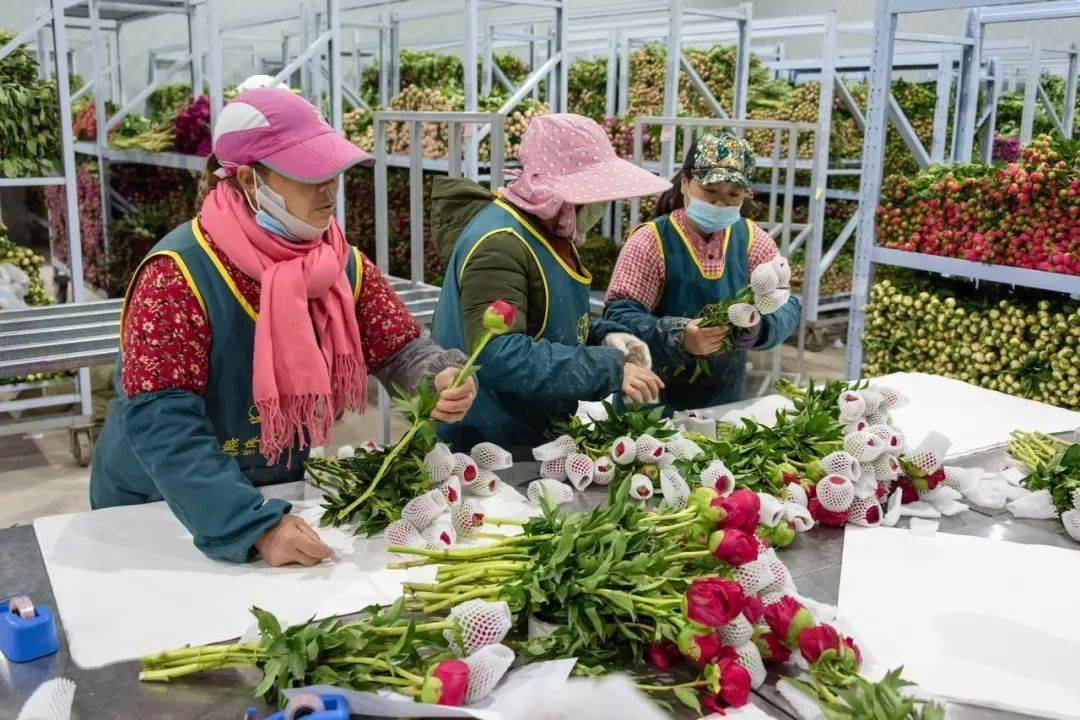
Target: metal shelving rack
{"points": [[867, 252]]}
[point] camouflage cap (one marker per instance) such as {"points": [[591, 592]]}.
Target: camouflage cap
{"points": [[721, 157]]}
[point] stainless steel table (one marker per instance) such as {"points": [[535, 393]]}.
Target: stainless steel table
{"points": [[114, 692]]}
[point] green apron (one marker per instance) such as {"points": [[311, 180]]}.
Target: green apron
{"points": [[228, 400], [688, 289], [502, 418]]}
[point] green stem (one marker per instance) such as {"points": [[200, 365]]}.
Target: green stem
{"points": [[423, 627], [503, 521], [661, 529], [442, 605], [402, 443], [375, 662], [690, 554], [671, 688], [463, 373], [670, 516]]}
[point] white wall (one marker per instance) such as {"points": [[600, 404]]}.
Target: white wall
{"points": [[138, 38]]}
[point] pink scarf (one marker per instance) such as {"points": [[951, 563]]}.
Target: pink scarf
{"points": [[308, 363], [531, 193]]}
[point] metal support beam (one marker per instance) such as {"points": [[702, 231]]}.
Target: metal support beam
{"points": [[849, 102], [941, 108], [1050, 109], [534, 57], [742, 62], [702, 88], [611, 73], [1031, 85], [385, 54], [96, 62], [333, 51], [215, 71], [562, 37], [195, 39], [146, 91], [870, 185], [907, 132], [671, 86], [1068, 119], [472, 104], [395, 54], [488, 62], [989, 127], [967, 94]]}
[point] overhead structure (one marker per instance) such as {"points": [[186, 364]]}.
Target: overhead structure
{"points": [[867, 252]]}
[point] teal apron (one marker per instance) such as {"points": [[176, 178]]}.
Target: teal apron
{"points": [[688, 289], [506, 419], [230, 406]]}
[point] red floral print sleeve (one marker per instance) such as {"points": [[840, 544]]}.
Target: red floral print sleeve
{"points": [[385, 324], [166, 338]]}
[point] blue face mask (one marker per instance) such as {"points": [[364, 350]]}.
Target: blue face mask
{"points": [[271, 224], [712, 218]]}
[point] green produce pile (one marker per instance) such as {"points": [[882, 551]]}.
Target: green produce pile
{"points": [[29, 119], [1010, 108], [1054, 464], [1023, 344], [30, 263]]}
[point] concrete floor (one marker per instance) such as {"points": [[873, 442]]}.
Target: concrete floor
{"points": [[38, 475]]}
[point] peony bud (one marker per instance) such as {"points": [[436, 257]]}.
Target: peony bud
{"points": [[447, 684], [771, 649], [641, 487], [713, 602], [717, 476], [663, 655], [624, 450], [835, 493], [787, 618], [697, 647], [733, 546], [741, 510], [604, 471], [815, 641], [579, 470], [499, 317], [826, 517], [465, 468]]}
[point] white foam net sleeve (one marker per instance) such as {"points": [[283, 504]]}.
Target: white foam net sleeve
{"points": [[467, 516], [641, 487], [451, 489], [346, 451], [985, 496], [485, 485], [888, 435], [892, 397], [676, 491], [919, 509], [684, 448], [1071, 520], [439, 463], [805, 706], [835, 493], [743, 315], [1076, 498], [892, 510], [771, 302], [958, 478], [781, 576], [842, 463], [799, 516], [422, 510], [930, 454], [771, 510], [50, 701], [439, 536], [558, 448], [403, 533], [764, 279], [860, 510], [649, 449], [873, 399], [604, 471], [486, 668], [878, 417], [750, 658], [554, 469], [558, 492], [851, 405], [717, 476], [624, 450], [480, 623], [1037, 506], [489, 456], [737, 632], [579, 469], [796, 493], [863, 446], [783, 269], [754, 576]]}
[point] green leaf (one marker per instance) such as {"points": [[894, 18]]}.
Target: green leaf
{"points": [[270, 675], [688, 698], [269, 627]]}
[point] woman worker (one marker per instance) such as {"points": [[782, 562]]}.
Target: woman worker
{"points": [[698, 251], [519, 245], [247, 331]]}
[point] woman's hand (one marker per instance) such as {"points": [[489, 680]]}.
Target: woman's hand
{"points": [[292, 541], [453, 402], [640, 385], [703, 341]]}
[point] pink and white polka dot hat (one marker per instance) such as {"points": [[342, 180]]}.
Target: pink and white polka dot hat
{"points": [[285, 132], [573, 157]]}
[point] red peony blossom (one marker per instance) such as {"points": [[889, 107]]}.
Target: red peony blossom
{"points": [[733, 547], [699, 648], [734, 687], [855, 649], [771, 647], [740, 510], [826, 517], [788, 618], [908, 493], [499, 317], [713, 602], [753, 609], [447, 684], [815, 641], [663, 655]]}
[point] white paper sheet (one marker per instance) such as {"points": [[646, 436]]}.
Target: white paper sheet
{"points": [[552, 673], [128, 581], [979, 621], [973, 418]]}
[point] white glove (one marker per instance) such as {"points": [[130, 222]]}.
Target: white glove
{"points": [[635, 350]]}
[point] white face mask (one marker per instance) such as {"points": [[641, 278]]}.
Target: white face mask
{"points": [[272, 215]]}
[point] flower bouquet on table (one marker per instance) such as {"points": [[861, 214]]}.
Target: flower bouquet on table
{"points": [[768, 291], [449, 662], [1053, 478], [354, 493]]}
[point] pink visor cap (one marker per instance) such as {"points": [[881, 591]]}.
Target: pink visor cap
{"points": [[576, 160], [284, 132]]}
